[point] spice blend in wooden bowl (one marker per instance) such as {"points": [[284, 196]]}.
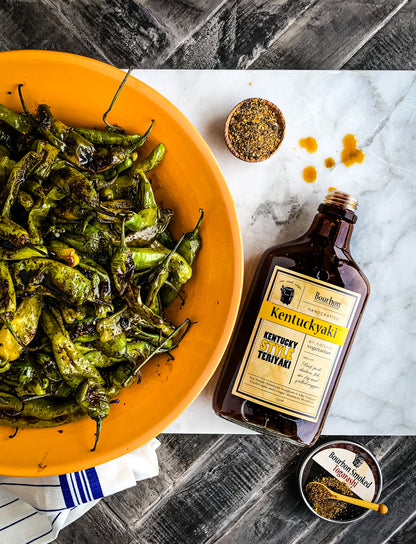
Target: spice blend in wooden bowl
{"points": [[254, 129]]}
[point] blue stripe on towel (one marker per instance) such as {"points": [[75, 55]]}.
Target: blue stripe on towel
{"points": [[86, 487], [74, 488], [18, 521], [7, 503], [94, 482], [66, 492], [49, 510], [80, 487], [47, 533]]}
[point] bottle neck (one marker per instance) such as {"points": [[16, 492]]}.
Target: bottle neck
{"points": [[334, 224]]}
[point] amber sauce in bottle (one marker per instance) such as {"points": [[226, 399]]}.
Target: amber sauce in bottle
{"points": [[323, 255]]}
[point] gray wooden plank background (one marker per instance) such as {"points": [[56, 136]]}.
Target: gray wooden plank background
{"points": [[231, 489]]}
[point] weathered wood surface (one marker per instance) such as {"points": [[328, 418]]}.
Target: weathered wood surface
{"points": [[261, 34], [231, 489], [226, 490]]}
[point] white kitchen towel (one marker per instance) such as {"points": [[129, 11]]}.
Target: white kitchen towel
{"points": [[34, 510]]}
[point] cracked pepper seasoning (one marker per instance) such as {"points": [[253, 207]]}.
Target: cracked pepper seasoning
{"points": [[254, 129], [321, 503], [296, 330]]}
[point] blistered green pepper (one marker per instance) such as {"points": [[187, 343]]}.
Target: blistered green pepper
{"points": [[77, 185], [49, 154], [7, 294], [43, 412], [18, 121], [101, 285], [25, 378], [138, 351], [145, 258], [157, 279], [83, 353], [25, 200], [40, 211], [22, 253], [74, 368], [145, 236], [71, 314], [6, 167], [96, 357], [147, 216], [62, 252], [122, 187], [22, 328], [122, 265], [149, 162], [72, 146], [115, 347], [13, 233], [92, 398], [103, 137], [126, 318], [17, 176], [188, 249], [66, 283], [191, 242]]}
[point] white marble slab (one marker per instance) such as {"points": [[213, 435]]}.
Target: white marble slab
{"points": [[274, 204]]}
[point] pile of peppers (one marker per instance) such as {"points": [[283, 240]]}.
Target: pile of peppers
{"points": [[87, 267]]}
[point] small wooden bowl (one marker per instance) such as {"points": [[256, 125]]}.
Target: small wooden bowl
{"points": [[277, 114]]}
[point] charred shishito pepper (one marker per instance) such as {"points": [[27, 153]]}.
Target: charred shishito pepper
{"points": [[71, 146], [13, 233], [7, 293], [21, 330], [87, 266], [61, 281]]}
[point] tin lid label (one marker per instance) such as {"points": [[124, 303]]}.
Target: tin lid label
{"points": [[349, 467]]}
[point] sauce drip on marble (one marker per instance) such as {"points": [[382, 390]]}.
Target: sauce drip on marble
{"points": [[349, 155], [309, 143]]}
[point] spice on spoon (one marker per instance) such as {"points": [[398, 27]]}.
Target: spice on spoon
{"points": [[254, 129], [321, 501], [318, 489]]}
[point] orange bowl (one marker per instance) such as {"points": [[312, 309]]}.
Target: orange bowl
{"points": [[79, 90]]}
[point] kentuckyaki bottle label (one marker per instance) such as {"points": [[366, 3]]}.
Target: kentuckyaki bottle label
{"points": [[296, 343]]}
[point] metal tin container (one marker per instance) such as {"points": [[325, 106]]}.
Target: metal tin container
{"points": [[347, 467]]}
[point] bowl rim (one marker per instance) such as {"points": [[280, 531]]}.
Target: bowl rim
{"points": [[90, 64]]}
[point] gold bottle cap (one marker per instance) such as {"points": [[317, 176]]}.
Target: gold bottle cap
{"points": [[343, 200]]}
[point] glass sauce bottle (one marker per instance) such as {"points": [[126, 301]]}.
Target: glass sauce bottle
{"points": [[296, 330]]}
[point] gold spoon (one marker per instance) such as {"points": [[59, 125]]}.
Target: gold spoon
{"points": [[327, 493]]}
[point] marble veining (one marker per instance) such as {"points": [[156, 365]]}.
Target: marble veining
{"points": [[274, 204]]}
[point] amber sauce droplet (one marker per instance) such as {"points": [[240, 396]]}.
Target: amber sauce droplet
{"points": [[329, 162], [310, 144], [309, 174], [351, 154]]}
